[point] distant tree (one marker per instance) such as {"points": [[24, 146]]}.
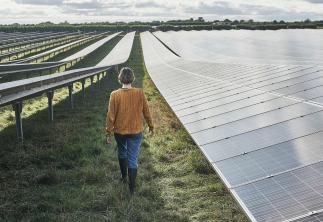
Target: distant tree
{"points": [[46, 23], [155, 23], [200, 19], [185, 24], [64, 23]]}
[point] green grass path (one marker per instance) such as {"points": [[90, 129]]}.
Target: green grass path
{"points": [[66, 172]]}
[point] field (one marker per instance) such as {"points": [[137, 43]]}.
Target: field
{"points": [[66, 172]]}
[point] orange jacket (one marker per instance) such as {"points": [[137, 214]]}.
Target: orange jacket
{"points": [[125, 110]]}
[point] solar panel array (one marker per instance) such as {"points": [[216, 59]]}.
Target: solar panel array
{"points": [[33, 41], [13, 68], [9, 38], [57, 49], [30, 87], [260, 126], [14, 92]]}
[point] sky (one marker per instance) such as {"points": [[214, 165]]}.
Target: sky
{"points": [[79, 11]]}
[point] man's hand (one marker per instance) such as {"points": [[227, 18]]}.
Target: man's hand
{"points": [[109, 139], [151, 131]]}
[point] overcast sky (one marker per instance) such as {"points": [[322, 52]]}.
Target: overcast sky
{"points": [[73, 11]]}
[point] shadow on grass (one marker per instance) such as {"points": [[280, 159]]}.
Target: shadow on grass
{"points": [[66, 172]]}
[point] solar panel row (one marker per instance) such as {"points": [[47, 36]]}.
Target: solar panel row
{"points": [[260, 126], [120, 53], [8, 38], [90, 48], [33, 41], [57, 49]]}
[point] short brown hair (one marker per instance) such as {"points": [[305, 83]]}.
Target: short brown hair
{"points": [[126, 76]]}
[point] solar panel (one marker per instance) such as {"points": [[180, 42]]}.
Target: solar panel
{"points": [[264, 137], [306, 93], [260, 126], [318, 99], [285, 196], [256, 122], [262, 110], [294, 81], [312, 217], [273, 160], [233, 106]]}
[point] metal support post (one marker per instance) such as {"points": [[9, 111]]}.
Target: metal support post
{"points": [[18, 109], [83, 88], [98, 80], [50, 96], [70, 94], [92, 82]]}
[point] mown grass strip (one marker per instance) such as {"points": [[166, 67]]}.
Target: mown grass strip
{"points": [[65, 171]]}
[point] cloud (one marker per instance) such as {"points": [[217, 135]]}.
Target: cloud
{"points": [[148, 4], [94, 4], [147, 10], [95, 8], [261, 10], [219, 8], [315, 1], [40, 2], [120, 8]]}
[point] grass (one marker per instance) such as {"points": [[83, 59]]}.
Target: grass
{"points": [[65, 171]]}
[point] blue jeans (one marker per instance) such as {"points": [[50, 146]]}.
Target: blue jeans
{"points": [[129, 147]]}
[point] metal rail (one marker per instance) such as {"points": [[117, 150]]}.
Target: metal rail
{"points": [[20, 68]]}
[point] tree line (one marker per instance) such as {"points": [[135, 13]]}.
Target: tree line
{"points": [[175, 25]]}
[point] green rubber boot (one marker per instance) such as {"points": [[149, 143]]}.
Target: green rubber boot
{"points": [[132, 179], [123, 163]]}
